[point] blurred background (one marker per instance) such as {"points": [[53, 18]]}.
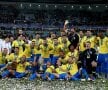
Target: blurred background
{"points": [[45, 16]]}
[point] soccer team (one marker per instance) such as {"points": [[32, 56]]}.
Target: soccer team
{"points": [[71, 56]]}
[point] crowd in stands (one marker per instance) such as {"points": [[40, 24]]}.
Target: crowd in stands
{"points": [[10, 15]]}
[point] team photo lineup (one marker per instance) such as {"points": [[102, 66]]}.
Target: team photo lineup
{"points": [[71, 56]]}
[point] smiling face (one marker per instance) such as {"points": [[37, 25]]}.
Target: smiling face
{"points": [[37, 36], [72, 31], [88, 33], [71, 48], [55, 41], [16, 50], [45, 42], [20, 31], [53, 36], [11, 39], [88, 45], [62, 54], [71, 60], [81, 34], [5, 51], [33, 44]]}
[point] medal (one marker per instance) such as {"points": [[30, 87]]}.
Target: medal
{"points": [[88, 54]]}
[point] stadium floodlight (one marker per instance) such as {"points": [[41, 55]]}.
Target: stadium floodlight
{"points": [[97, 6], [106, 6], [80, 7], [55, 6], [46, 6], [89, 8], [30, 5], [72, 7], [21, 5]]}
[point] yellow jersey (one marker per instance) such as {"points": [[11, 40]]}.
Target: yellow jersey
{"points": [[81, 44], [19, 44], [92, 40], [38, 43], [45, 50], [3, 58], [50, 69], [103, 45], [75, 53], [29, 51], [72, 68], [61, 69], [60, 39], [21, 68], [56, 49], [13, 56], [64, 60], [65, 47], [50, 41]]}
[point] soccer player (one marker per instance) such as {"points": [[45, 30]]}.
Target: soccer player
{"points": [[56, 49], [63, 35], [92, 39], [30, 50], [73, 72], [65, 44], [89, 60], [11, 62], [3, 57], [39, 41], [20, 69], [103, 55], [51, 41], [63, 58], [45, 52], [18, 43], [72, 69], [46, 75], [72, 51], [81, 41], [59, 73], [72, 35], [16, 55]]}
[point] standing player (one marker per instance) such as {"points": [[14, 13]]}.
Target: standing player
{"points": [[103, 55], [3, 57], [72, 35], [89, 60], [56, 49], [19, 42], [45, 52]]}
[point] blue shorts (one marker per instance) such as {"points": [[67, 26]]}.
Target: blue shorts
{"points": [[33, 76], [62, 76], [33, 69], [51, 56], [47, 60], [31, 58], [37, 57], [75, 77], [54, 60], [2, 65], [19, 75], [102, 63]]}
